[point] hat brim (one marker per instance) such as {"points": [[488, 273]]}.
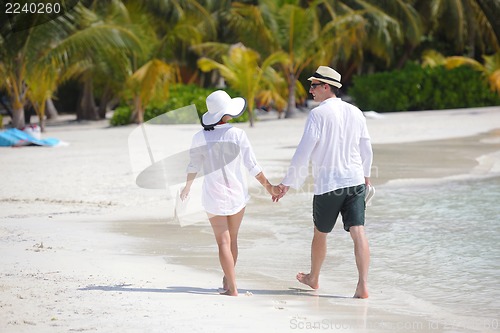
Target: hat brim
{"points": [[235, 108], [330, 82]]}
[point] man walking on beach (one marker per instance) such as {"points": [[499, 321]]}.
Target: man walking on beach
{"points": [[337, 142]]}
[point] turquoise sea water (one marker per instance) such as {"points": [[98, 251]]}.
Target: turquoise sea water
{"points": [[441, 243], [435, 250]]}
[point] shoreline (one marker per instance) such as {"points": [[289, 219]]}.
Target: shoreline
{"points": [[71, 263]]}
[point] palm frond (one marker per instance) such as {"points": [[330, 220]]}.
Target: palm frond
{"points": [[248, 21], [492, 70], [457, 61], [152, 80], [279, 57], [492, 63], [213, 50], [432, 58], [494, 80], [207, 65], [87, 42]]}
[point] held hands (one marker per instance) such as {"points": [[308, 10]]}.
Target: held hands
{"points": [[279, 191], [276, 191]]}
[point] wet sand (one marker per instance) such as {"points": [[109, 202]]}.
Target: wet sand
{"points": [[432, 159]]}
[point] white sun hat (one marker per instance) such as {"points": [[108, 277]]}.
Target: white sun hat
{"points": [[327, 75], [220, 104]]}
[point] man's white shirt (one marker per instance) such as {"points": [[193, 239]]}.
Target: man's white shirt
{"points": [[337, 142]]}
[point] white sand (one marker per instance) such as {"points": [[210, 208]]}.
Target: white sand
{"points": [[64, 267]]}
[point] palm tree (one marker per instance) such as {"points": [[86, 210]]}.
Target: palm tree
{"points": [[168, 30], [470, 26], [55, 45], [148, 83], [345, 31], [178, 25], [391, 25], [244, 72], [280, 26], [366, 35], [324, 32], [41, 90]]}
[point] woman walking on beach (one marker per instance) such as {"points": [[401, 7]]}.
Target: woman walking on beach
{"points": [[220, 150]]}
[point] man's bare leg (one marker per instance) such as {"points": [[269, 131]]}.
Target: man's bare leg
{"points": [[318, 254], [362, 254]]}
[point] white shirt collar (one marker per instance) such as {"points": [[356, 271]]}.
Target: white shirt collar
{"points": [[331, 98]]}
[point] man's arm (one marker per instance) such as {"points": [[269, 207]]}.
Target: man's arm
{"points": [[299, 166], [366, 152]]}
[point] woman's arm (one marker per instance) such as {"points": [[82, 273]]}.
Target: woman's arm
{"points": [[273, 190], [189, 181]]}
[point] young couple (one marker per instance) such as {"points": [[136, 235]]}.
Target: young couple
{"points": [[335, 140]]}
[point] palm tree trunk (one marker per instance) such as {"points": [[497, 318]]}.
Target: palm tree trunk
{"points": [[17, 101], [41, 117], [290, 109], [348, 74], [251, 105], [137, 115], [408, 50], [471, 31], [490, 10], [50, 109], [106, 99], [87, 109], [18, 120]]}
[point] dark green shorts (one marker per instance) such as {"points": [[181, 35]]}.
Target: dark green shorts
{"points": [[349, 201]]}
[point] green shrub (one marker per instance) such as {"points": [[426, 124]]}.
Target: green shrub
{"points": [[180, 96], [121, 116], [417, 88]]}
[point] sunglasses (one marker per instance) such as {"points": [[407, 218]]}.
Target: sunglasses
{"points": [[314, 85]]}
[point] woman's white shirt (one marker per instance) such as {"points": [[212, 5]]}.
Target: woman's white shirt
{"points": [[220, 155]]}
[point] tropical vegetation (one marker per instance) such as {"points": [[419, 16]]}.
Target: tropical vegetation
{"points": [[415, 88], [130, 53]]}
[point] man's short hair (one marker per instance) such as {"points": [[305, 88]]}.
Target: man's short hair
{"points": [[334, 90]]}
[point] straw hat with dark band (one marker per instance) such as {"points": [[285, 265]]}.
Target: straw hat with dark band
{"points": [[327, 75]]}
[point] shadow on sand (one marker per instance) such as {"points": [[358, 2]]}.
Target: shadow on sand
{"points": [[212, 291]]}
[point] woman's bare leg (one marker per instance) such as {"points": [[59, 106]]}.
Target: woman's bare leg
{"points": [[234, 223], [226, 232]]}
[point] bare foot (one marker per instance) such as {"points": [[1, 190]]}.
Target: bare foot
{"points": [[361, 290], [308, 280], [224, 283], [230, 293], [225, 290]]}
